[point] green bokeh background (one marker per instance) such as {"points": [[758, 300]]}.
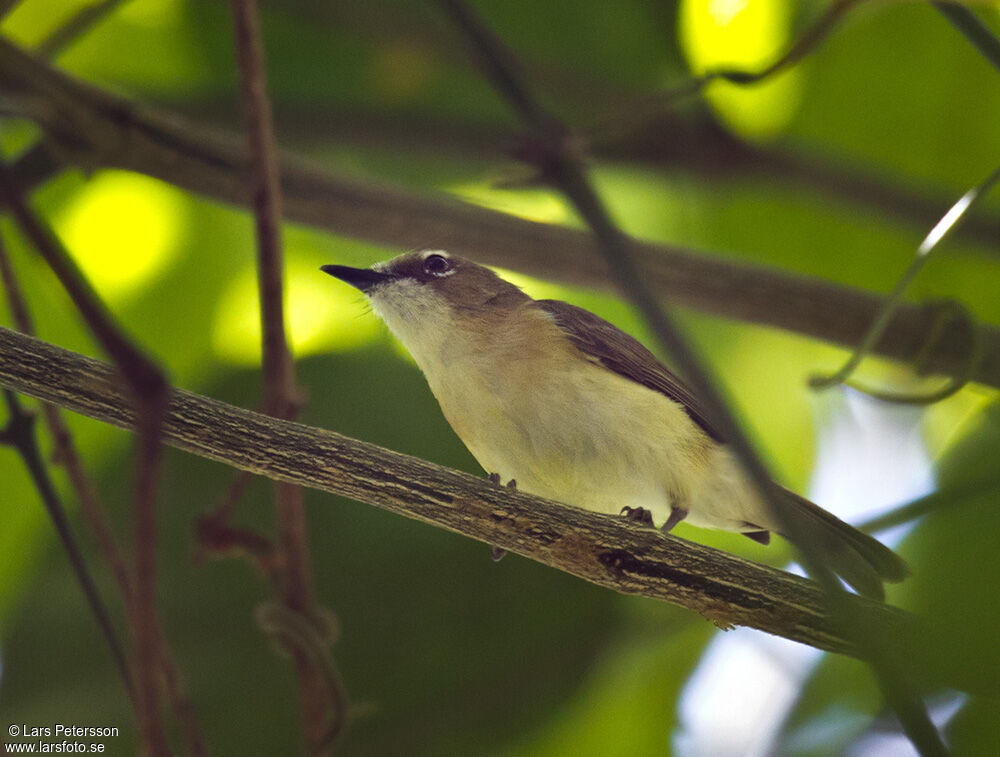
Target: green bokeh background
{"points": [[444, 652]]}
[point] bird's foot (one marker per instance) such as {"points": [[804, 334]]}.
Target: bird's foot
{"points": [[494, 478], [497, 553], [637, 515]]}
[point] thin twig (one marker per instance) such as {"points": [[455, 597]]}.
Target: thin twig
{"points": [[649, 108], [217, 538], [599, 548], [81, 22], [96, 128], [975, 31], [150, 393], [929, 503], [297, 635], [654, 105], [19, 433], [561, 167], [67, 455], [281, 398], [6, 6], [947, 224], [950, 311]]}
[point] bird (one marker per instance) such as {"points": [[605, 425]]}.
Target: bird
{"points": [[574, 409]]}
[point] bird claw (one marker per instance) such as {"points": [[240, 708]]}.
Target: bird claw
{"points": [[494, 478], [637, 515], [497, 553]]}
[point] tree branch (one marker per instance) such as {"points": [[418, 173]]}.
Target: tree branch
{"points": [[601, 549], [692, 143], [93, 128]]}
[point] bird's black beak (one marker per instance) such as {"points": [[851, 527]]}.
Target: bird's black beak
{"points": [[364, 279]]}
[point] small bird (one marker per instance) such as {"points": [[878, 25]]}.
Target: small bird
{"points": [[576, 410]]}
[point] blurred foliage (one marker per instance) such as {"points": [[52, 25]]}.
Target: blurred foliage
{"points": [[443, 651]]}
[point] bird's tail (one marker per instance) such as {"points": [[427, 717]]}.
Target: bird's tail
{"points": [[862, 561]]}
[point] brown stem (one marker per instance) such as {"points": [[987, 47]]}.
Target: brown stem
{"points": [[149, 391], [19, 433], [280, 394], [67, 455]]}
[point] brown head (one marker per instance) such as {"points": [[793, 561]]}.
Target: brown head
{"points": [[464, 285], [419, 281], [429, 297]]}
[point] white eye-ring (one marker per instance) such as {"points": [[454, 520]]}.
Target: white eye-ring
{"points": [[436, 264]]}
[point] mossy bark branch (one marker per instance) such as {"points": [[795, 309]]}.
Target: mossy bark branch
{"points": [[602, 549], [92, 128]]}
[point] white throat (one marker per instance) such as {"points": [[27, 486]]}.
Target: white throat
{"points": [[420, 318]]}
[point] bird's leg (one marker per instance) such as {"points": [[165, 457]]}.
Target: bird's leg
{"points": [[677, 514], [638, 515], [497, 553]]}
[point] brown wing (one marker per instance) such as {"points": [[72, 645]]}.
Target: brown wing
{"points": [[625, 355]]}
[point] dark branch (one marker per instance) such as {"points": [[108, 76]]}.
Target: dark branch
{"points": [[973, 29], [92, 127], [601, 549], [19, 433]]}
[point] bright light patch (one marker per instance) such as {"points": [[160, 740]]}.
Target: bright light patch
{"points": [[736, 702], [533, 205], [724, 12], [123, 230], [321, 315], [746, 35]]}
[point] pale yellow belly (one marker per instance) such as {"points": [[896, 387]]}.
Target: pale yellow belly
{"points": [[586, 437]]}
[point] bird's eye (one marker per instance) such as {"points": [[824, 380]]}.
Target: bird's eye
{"points": [[437, 265]]}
